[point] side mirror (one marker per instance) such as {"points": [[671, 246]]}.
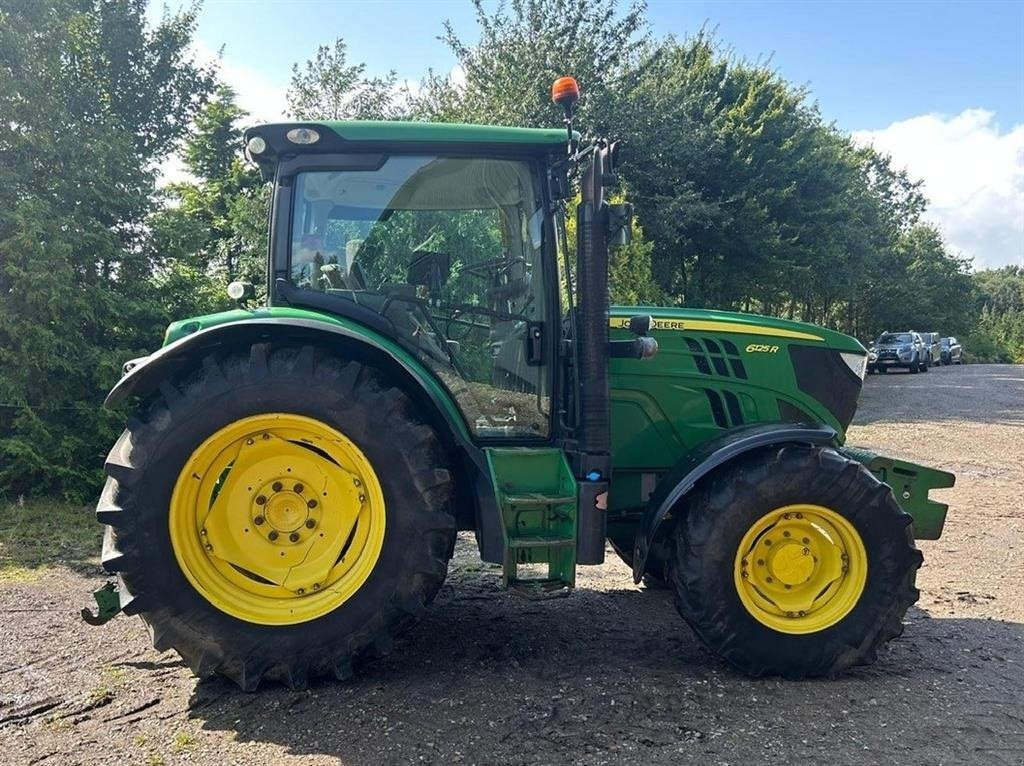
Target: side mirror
{"points": [[558, 180], [619, 224]]}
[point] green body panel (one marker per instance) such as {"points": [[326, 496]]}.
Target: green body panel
{"points": [[661, 408], [185, 327], [440, 132], [910, 484], [537, 494]]}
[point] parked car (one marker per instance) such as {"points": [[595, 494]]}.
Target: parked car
{"points": [[897, 349], [932, 349], [952, 352]]}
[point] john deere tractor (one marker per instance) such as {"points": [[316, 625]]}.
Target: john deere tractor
{"points": [[434, 356]]}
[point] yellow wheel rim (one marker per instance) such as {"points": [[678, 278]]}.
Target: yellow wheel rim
{"points": [[277, 519], [800, 569]]}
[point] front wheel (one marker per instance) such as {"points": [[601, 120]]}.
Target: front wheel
{"points": [[277, 513], [795, 562]]}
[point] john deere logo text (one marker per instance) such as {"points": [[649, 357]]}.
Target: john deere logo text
{"points": [[760, 348]]}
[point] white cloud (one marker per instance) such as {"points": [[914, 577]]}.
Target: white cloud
{"points": [[973, 175]]}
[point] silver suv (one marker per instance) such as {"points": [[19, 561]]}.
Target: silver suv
{"points": [[898, 349]]}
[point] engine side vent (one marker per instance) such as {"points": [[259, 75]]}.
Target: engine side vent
{"points": [[722, 354], [717, 410], [735, 414]]}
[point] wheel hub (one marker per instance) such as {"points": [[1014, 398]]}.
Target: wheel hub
{"points": [[285, 510], [800, 568]]}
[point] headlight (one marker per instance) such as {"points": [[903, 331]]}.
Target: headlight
{"points": [[856, 362]]}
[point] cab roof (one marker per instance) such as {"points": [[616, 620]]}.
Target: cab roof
{"points": [[356, 135], [443, 132]]}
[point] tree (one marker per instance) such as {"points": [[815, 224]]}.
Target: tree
{"points": [[216, 223], [91, 98], [328, 87], [522, 48]]}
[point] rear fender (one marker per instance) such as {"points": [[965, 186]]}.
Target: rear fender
{"points": [[710, 456], [143, 376]]}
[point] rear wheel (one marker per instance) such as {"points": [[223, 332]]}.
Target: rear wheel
{"points": [[797, 562], [263, 523]]}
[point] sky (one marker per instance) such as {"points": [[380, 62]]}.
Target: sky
{"points": [[937, 85]]}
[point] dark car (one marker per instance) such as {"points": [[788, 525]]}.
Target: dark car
{"points": [[952, 352], [897, 349], [932, 349]]}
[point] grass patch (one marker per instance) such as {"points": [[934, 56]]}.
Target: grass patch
{"points": [[39, 535]]}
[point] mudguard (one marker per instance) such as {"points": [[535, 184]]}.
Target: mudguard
{"points": [[705, 459], [144, 375]]}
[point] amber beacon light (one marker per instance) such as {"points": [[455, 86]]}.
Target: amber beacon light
{"points": [[565, 91]]}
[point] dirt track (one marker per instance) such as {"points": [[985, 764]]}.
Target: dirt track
{"points": [[611, 675]]}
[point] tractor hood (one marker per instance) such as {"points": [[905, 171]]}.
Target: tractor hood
{"points": [[718, 370]]}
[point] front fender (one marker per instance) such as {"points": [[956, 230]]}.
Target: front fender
{"points": [[708, 457], [144, 376]]}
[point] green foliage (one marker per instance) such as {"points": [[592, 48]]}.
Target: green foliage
{"points": [[998, 335], [327, 87], [91, 98]]}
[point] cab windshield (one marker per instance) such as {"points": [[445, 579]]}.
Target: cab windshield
{"points": [[449, 251], [894, 339]]}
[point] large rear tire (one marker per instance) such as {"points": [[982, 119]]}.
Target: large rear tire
{"points": [[278, 451], [795, 562]]}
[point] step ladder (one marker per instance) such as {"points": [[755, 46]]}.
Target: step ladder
{"points": [[536, 493]]}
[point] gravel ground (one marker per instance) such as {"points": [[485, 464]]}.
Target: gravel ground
{"points": [[611, 675]]}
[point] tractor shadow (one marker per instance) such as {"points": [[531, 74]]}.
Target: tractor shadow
{"points": [[616, 676]]}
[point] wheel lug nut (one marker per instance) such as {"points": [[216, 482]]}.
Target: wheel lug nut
{"points": [[294, 537], [799, 515], [260, 500], [788, 586], [807, 551], [806, 540], [250, 441], [278, 486], [362, 498], [298, 488], [767, 542], [786, 533], [760, 562], [744, 575], [357, 482], [768, 579], [316, 586], [311, 504], [300, 591], [202, 532], [258, 520], [209, 547], [272, 535], [310, 523], [266, 436]]}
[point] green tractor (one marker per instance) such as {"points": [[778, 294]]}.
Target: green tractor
{"points": [[434, 357]]}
